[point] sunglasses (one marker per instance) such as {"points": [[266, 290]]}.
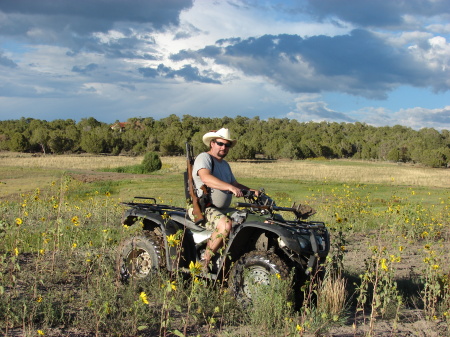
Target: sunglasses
{"points": [[223, 144]]}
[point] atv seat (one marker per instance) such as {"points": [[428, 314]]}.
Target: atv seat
{"points": [[181, 217]]}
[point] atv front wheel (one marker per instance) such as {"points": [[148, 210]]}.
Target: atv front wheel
{"points": [[139, 256], [256, 267]]}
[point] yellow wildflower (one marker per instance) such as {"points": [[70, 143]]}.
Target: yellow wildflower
{"points": [[16, 251], [143, 297], [171, 286], [172, 241], [299, 327], [383, 265], [19, 221], [195, 268], [40, 333]]}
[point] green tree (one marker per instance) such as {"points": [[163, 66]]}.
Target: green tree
{"points": [[18, 143], [151, 162], [40, 137], [94, 141]]}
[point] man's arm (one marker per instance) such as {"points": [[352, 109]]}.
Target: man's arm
{"points": [[213, 182]]}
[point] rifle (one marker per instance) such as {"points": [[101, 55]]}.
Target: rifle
{"points": [[190, 192]]}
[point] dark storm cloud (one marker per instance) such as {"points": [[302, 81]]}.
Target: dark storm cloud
{"points": [[157, 12], [377, 13], [128, 47], [187, 72], [6, 62], [359, 63], [72, 23]]}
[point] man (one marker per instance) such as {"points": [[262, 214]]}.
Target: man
{"points": [[212, 170]]}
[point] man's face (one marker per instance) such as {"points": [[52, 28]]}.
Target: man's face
{"points": [[220, 147]]}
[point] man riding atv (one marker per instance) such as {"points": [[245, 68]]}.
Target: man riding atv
{"points": [[212, 170], [261, 241]]}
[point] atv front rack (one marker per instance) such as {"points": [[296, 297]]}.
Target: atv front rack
{"points": [[300, 211]]}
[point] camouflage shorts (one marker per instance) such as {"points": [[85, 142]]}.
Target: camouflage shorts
{"points": [[212, 215]]}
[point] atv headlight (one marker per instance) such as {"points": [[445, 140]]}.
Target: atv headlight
{"points": [[304, 243]]}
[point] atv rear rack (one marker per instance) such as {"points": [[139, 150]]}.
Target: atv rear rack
{"points": [[160, 208]]}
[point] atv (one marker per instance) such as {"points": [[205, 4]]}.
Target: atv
{"points": [[262, 243]]}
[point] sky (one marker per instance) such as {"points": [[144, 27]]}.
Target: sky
{"points": [[379, 62]]}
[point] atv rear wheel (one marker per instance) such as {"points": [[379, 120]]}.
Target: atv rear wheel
{"points": [[253, 268], [139, 256]]}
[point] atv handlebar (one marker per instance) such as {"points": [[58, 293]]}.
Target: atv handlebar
{"points": [[265, 204], [268, 207]]}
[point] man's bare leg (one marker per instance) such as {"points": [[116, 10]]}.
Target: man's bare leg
{"points": [[217, 239]]}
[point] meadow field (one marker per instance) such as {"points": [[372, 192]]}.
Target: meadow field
{"points": [[387, 274]]}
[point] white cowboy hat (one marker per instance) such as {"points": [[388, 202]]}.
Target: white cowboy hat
{"points": [[222, 133]]}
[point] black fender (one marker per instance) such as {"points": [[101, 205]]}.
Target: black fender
{"points": [[283, 233], [131, 215], [153, 220], [239, 240], [302, 244]]}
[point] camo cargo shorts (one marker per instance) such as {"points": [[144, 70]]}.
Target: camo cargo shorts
{"points": [[212, 216]]}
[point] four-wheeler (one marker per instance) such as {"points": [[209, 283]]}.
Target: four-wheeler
{"points": [[262, 243]]}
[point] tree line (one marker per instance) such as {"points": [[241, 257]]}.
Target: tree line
{"points": [[272, 138]]}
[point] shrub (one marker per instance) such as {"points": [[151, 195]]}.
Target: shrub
{"points": [[151, 162]]}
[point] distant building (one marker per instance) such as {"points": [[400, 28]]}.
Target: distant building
{"points": [[119, 126]]}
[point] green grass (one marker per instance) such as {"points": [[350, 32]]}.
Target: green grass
{"points": [[59, 240]]}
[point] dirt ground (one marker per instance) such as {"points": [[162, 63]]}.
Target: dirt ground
{"points": [[411, 321]]}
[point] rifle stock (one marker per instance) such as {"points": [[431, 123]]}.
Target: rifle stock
{"points": [[197, 210]]}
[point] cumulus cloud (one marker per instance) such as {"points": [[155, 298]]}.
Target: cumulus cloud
{"points": [[6, 62], [360, 63], [366, 13], [86, 69], [187, 72], [248, 57], [310, 107], [418, 117]]}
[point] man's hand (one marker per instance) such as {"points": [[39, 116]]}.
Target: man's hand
{"points": [[236, 191]]}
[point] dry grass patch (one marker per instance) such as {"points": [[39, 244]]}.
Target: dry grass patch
{"points": [[84, 161], [307, 170], [67, 162], [345, 171]]}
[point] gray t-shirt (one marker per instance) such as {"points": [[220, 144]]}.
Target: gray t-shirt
{"points": [[221, 170]]}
